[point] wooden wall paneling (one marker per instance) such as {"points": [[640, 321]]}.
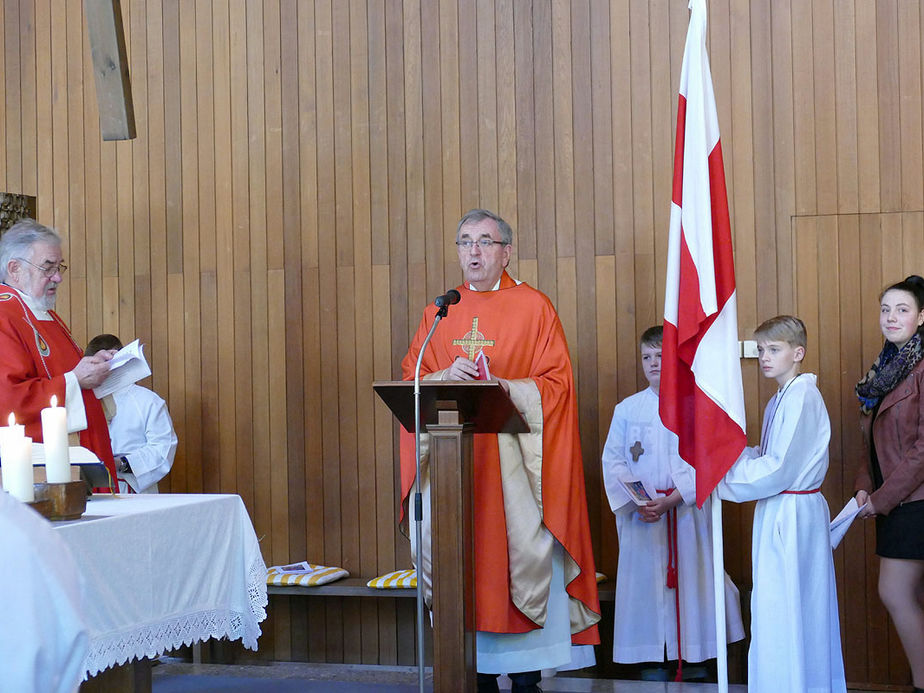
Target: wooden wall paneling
{"points": [[365, 342], [288, 492], [333, 646], [468, 105], [189, 166], [267, 255], [544, 121], [602, 142], [404, 320], [8, 93], [825, 121], [783, 148], [69, 157], [175, 369], [384, 464], [887, 59], [139, 311], [526, 180], [487, 106], [258, 113], [278, 477], [27, 101], [506, 108], [102, 240], [607, 397], [237, 437], [846, 115], [172, 137], [849, 561], [414, 156], [803, 87], [156, 350], [346, 327], [219, 447], [912, 244], [740, 167], [562, 78], [586, 368], [867, 105], [626, 345], [451, 144], [349, 473], [434, 236], [12, 125], [308, 641], [41, 91], [909, 86], [642, 167], [664, 98]]}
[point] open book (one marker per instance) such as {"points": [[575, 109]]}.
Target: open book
{"points": [[126, 367]]}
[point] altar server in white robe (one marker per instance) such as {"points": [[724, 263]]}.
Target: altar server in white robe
{"points": [[795, 634], [640, 447], [143, 439], [43, 634]]}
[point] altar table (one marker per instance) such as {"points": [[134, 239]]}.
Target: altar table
{"points": [[165, 570]]}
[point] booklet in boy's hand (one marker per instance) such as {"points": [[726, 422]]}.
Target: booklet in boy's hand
{"points": [[841, 523], [126, 367], [637, 491]]}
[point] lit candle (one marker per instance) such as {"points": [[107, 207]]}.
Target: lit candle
{"points": [[16, 458], [54, 436]]}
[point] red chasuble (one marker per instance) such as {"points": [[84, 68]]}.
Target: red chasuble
{"points": [[523, 337], [34, 356]]}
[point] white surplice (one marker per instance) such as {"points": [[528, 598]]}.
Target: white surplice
{"points": [[43, 630], [640, 447], [142, 431], [795, 634]]}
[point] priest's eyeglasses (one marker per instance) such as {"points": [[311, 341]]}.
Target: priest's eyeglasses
{"points": [[484, 243], [47, 270]]}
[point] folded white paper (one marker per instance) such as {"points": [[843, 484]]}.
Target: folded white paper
{"points": [[126, 367], [841, 523]]}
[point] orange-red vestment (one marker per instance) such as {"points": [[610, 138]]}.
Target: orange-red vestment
{"points": [[34, 356], [528, 343]]}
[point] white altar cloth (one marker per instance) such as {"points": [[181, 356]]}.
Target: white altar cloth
{"points": [[166, 570]]}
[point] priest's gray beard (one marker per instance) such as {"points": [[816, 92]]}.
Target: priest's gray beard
{"points": [[47, 302]]}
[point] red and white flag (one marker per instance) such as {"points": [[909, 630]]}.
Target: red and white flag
{"points": [[701, 398]]}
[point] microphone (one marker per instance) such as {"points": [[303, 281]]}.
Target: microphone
{"points": [[450, 298]]}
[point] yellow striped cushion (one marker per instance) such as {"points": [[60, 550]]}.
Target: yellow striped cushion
{"points": [[306, 574], [395, 580]]}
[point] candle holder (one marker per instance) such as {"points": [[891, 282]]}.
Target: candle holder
{"points": [[68, 500], [43, 507]]}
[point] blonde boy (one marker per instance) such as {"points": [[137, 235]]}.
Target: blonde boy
{"points": [[795, 635]]}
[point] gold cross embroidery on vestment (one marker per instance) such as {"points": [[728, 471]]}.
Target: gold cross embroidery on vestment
{"points": [[473, 341]]}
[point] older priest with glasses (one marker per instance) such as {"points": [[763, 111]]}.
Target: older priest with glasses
{"points": [[535, 587], [40, 358]]}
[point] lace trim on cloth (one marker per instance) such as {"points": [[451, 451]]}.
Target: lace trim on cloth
{"points": [[185, 629]]}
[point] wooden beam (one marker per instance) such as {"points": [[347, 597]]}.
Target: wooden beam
{"points": [[110, 69]]}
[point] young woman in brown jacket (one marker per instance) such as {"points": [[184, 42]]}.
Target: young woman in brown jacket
{"points": [[891, 480]]}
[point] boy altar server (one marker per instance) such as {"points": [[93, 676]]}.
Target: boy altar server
{"points": [[665, 547], [795, 635]]}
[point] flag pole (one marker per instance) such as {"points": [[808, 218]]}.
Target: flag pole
{"points": [[718, 583]]}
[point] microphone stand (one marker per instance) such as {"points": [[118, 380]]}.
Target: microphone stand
{"points": [[418, 502]]}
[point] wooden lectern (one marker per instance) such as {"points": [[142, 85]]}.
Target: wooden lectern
{"points": [[452, 411]]}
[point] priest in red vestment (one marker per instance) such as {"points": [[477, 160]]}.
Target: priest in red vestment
{"points": [[39, 356], [535, 583]]}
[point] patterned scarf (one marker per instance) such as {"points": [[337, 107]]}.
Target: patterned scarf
{"points": [[891, 367]]}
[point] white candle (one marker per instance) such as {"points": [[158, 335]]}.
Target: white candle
{"points": [[54, 436], [16, 457]]}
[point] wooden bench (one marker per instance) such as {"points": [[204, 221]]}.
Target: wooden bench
{"points": [[356, 587], [347, 587]]}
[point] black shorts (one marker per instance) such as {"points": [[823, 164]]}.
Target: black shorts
{"points": [[900, 534]]}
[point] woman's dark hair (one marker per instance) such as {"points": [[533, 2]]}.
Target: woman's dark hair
{"points": [[914, 285]]}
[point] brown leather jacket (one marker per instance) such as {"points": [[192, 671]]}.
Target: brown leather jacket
{"points": [[899, 435]]}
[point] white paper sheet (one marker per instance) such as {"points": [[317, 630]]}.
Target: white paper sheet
{"points": [[126, 367], [841, 523]]}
